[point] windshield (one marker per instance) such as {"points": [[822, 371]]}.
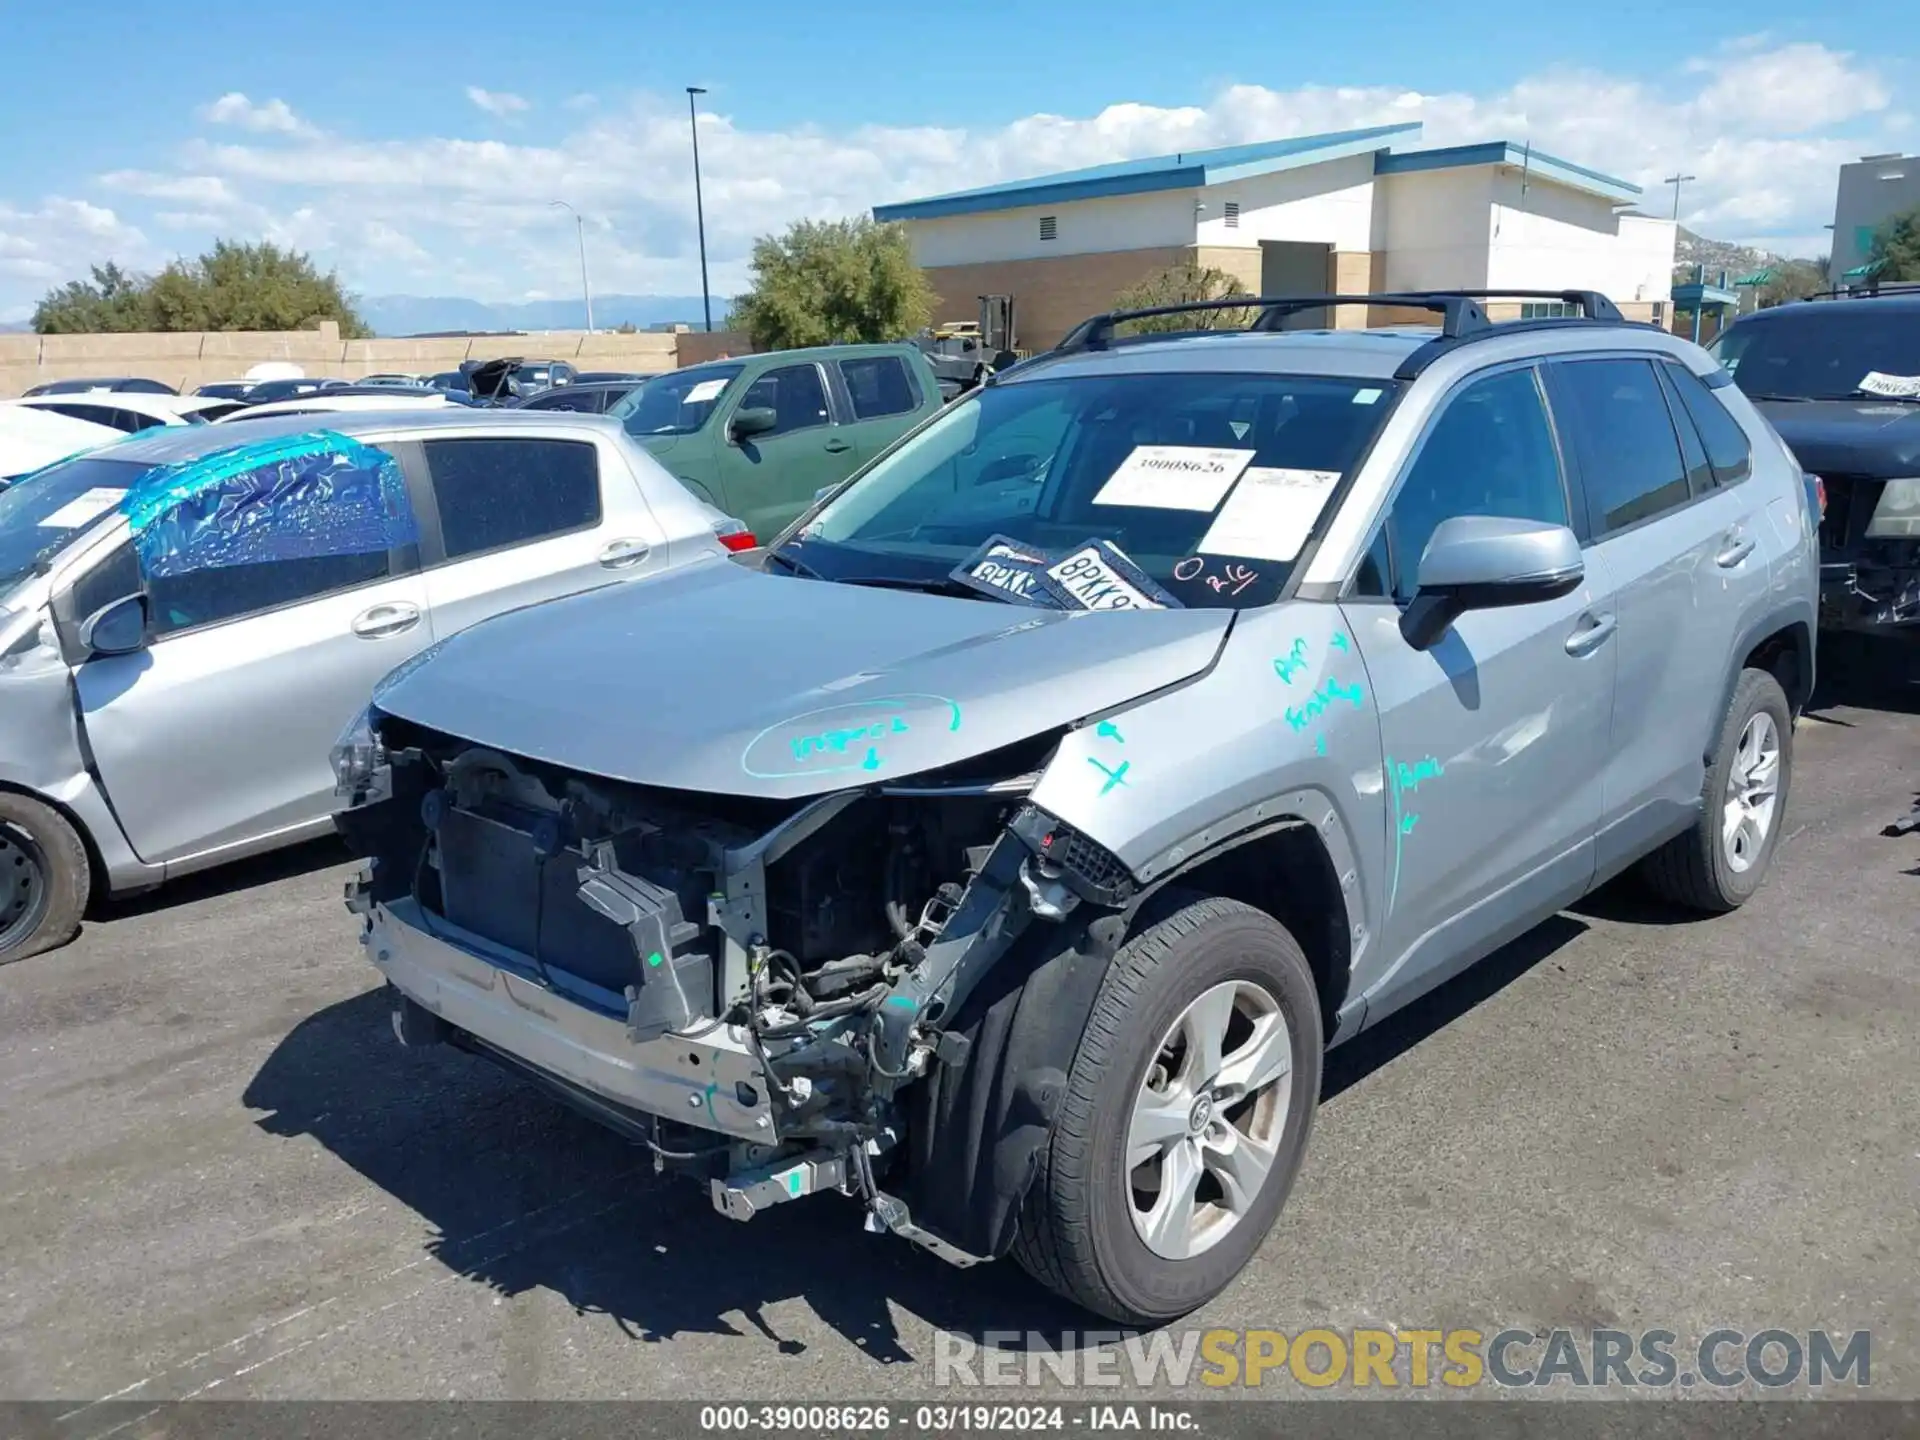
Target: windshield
{"points": [[1209, 484], [1820, 352], [41, 512], [677, 403]]}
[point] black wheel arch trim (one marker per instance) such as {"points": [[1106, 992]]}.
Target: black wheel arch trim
{"points": [[1800, 621]]}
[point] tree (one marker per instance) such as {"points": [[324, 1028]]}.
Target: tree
{"points": [[1896, 247], [1180, 284], [113, 301], [833, 282], [1792, 280], [234, 286]]}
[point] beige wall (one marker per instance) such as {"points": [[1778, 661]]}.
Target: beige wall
{"points": [[696, 347], [187, 359], [1052, 295]]}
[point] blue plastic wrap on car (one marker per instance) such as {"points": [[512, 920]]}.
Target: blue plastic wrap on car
{"points": [[300, 498]]}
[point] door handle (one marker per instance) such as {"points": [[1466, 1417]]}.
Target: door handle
{"points": [[1591, 631], [383, 620], [838, 447], [1736, 547], [622, 553]]}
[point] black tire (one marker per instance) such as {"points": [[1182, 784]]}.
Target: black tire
{"points": [[1693, 870], [1076, 1236], [46, 879]]}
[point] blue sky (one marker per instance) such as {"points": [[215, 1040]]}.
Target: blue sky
{"points": [[415, 147]]}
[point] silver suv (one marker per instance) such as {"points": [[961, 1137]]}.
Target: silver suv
{"points": [[1008, 853], [188, 617]]}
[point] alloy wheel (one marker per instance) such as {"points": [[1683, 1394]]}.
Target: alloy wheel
{"points": [[1753, 793], [1207, 1119]]}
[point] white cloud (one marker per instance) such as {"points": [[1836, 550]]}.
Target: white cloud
{"points": [[273, 117], [498, 103], [1763, 126], [206, 190], [57, 240]]}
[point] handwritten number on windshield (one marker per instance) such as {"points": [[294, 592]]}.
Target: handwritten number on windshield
{"points": [[1232, 579]]}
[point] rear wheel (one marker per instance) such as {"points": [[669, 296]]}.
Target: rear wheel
{"points": [[44, 878], [1186, 1115], [1719, 864]]}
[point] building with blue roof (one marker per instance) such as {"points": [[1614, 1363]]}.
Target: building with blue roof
{"points": [[1347, 211]]}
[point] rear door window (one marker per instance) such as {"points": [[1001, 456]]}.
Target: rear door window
{"points": [[1613, 416], [879, 386], [495, 493], [1728, 450]]}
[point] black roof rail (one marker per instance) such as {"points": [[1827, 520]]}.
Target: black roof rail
{"points": [[1459, 314], [1887, 291], [1596, 309], [1593, 305]]}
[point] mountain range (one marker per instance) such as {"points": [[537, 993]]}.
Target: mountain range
{"points": [[423, 314]]}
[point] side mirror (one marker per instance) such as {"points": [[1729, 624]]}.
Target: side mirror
{"points": [[756, 420], [1488, 562], [116, 629]]}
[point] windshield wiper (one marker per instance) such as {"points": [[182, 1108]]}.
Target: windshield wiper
{"points": [[1790, 399], [1896, 399], [938, 586], [797, 567]]}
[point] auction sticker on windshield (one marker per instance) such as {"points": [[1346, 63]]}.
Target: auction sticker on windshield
{"points": [[705, 390], [1099, 576], [1269, 514], [84, 509], [1173, 477], [1877, 384]]}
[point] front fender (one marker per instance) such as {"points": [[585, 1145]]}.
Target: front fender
{"points": [[1282, 726]]}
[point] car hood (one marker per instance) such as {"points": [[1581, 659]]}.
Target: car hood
{"points": [[1879, 439], [720, 679]]}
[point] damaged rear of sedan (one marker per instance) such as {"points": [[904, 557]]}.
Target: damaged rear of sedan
{"points": [[1006, 852]]}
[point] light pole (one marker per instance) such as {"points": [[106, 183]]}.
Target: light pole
{"points": [[580, 231], [1676, 181], [699, 207]]}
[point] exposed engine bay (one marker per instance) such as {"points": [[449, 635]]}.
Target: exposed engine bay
{"points": [[779, 968]]}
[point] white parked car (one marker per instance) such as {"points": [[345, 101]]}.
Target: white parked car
{"points": [[125, 412], [321, 402], [31, 437]]}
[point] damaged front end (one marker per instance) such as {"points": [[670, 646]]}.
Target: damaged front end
{"points": [[1870, 554], [752, 988]]}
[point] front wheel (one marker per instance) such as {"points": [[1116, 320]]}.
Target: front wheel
{"points": [[44, 878], [1187, 1112]]}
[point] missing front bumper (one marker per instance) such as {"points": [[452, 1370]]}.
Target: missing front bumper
{"points": [[706, 1078]]}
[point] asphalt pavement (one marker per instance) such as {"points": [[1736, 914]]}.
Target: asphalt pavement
{"points": [[223, 1178]]}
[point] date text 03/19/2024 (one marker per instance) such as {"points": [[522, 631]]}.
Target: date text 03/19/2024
{"points": [[926, 1418]]}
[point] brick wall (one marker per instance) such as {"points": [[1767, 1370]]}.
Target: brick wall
{"points": [[1051, 295], [187, 359]]}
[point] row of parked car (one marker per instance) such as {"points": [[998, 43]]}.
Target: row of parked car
{"points": [[1004, 842]]}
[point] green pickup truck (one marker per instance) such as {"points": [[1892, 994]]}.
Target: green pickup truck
{"points": [[760, 435]]}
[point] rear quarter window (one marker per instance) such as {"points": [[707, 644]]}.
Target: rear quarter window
{"points": [[1729, 454]]}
